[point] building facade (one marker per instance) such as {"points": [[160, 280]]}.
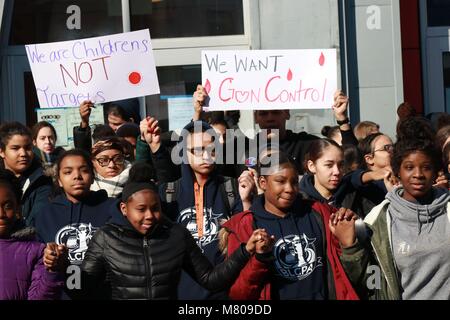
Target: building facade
{"points": [[389, 51]]}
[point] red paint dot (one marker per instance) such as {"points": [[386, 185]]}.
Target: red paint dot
{"points": [[134, 77]]}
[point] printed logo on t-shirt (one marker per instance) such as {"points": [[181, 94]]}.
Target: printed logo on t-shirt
{"points": [[211, 225], [76, 238], [295, 257], [403, 248]]}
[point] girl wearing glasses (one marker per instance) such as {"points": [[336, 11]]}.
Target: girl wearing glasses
{"points": [[110, 167], [376, 178]]}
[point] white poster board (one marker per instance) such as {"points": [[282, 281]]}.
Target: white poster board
{"points": [[270, 79], [100, 69], [64, 119]]}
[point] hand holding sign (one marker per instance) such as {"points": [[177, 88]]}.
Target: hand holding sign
{"points": [[85, 113], [340, 105], [151, 133], [200, 98]]}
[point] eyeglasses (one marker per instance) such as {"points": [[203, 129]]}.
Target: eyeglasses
{"points": [[386, 147], [199, 151], [117, 160]]}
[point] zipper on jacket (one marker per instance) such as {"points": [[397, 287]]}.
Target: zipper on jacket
{"points": [[147, 268]]}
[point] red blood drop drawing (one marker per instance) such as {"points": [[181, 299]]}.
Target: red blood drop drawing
{"points": [[322, 59], [134, 78], [289, 75], [207, 86]]}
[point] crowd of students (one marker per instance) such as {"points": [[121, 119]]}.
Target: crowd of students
{"points": [[146, 216]]}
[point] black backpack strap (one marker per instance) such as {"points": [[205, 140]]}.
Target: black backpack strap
{"points": [[229, 191], [171, 191]]}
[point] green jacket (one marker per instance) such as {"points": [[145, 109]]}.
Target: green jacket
{"points": [[370, 264]]}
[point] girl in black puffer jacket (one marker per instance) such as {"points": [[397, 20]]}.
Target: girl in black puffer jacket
{"points": [[143, 255]]}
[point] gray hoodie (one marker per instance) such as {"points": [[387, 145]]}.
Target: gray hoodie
{"points": [[420, 242]]}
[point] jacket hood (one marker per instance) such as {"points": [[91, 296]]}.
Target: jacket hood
{"points": [[343, 189], [415, 213], [307, 188]]}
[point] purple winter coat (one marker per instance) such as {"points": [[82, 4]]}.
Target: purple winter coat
{"points": [[22, 272]]}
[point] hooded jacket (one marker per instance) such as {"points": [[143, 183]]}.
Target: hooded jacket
{"points": [[149, 267], [310, 251], [402, 236], [36, 190], [343, 196], [74, 224], [23, 275]]}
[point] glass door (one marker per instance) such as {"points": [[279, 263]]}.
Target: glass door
{"points": [[435, 29]]}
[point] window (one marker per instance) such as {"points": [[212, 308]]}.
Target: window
{"points": [[173, 81], [438, 13], [446, 65], [187, 18], [40, 21]]}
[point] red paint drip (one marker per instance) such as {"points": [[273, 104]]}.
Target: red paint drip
{"points": [[289, 75], [322, 59], [207, 86]]}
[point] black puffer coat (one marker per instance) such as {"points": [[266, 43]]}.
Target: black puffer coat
{"points": [[149, 267]]}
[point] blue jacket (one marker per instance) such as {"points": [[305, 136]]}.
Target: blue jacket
{"points": [[74, 224], [36, 187], [300, 264]]}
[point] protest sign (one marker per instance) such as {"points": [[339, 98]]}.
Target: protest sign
{"points": [[269, 79], [100, 69]]}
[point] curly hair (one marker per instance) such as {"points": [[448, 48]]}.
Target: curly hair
{"points": [[415, 128], [405, 147]]}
